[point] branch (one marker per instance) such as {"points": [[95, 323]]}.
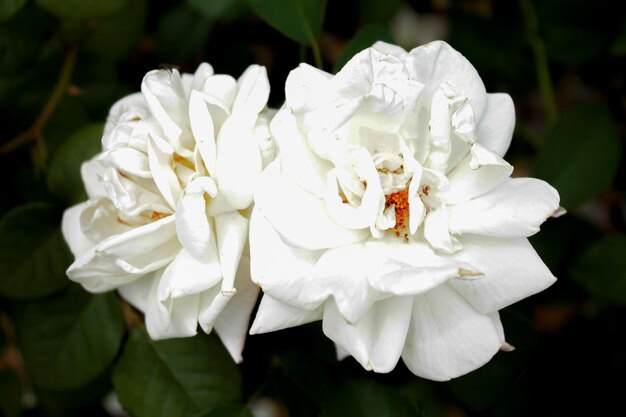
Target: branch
{"points": [[35, 132]]}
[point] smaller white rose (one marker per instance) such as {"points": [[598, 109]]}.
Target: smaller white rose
{"points": [[166, 223]]}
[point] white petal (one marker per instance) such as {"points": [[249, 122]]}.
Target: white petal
{"points": [[253, 91], [305, 88], [447, 338], [515, 208], [480, 172], [91, 172], [192, 224], [232, 233], [166, 98], [72, 232], [212, 304], [128, 160], [298, 161], [436, 231], [390, 49], [495, 128], [175, 318], [273, 315], [232, 324], [187, 275], [238, 161], [410, 269], [512, 271], [137, 293], [222, 89], [300, 217], [376, 341], [160, 158], [203, 129], [437, 62]]}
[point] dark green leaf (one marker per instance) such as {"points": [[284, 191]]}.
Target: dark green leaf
{"points": [[229, 411], [69, 340], [367, 398], [82, 9], [64, 179], [10, 395], [181, 34], [217, 9], [311, 376], [366, 37], [619, 44], [33, 255], [68, 118], [9, 7], [300, 20], [580, 154], [21, 39], [117, 35], [483, 387], [601, 269], [176, 377], [378, 11]]}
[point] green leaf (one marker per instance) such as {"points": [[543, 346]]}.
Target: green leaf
{"points": [[601, 269], [9, 7], [21, 39], [217, 9], [115, 36], [33, 255], [378, 11], [580, 154], [176, 377], [300, 20], [367, 398], [181, 23], [482, 388], [82, 9], [70, 339], [64, 179], [366, 37], [10, 395], [229, 411], [618, 47]]}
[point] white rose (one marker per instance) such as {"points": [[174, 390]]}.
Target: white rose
{"points": [[166, 223], [390, 214]]}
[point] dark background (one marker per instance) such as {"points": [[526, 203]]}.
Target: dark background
{"points": [[63, 64]]}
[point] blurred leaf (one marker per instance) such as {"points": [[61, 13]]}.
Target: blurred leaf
{"points": [[229, 411], [181, 34], [378, 11], [580, 154], [601, 269], [217, 9], [9, 7], [482, 388], [69, 117], [81, 9], [619, 44], [21, 39], [64, 179], [116, 35], [300, 20], [573, 31], [367, 398], [33, 255], [186, 376], [365, 38], [310, 376], [10, 394], [70, 339], [80, 402]]}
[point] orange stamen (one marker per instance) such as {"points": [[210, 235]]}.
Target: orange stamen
{"points": [[400, 200]]}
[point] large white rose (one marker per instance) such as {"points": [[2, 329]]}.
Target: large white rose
{"points": [[166, 223], [390, 214]]}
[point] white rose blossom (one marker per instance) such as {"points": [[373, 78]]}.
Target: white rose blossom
{"points": [[166, 223], [390, 213]]}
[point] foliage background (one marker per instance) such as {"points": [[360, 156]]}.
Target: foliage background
{"points": [[64, 62]]}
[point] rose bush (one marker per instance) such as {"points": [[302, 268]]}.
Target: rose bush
{"points": [[166, 223], [390, 213]]}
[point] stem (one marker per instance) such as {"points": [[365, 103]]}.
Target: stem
{"points": [[35, 132], [317, 56], [541, 61]]}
